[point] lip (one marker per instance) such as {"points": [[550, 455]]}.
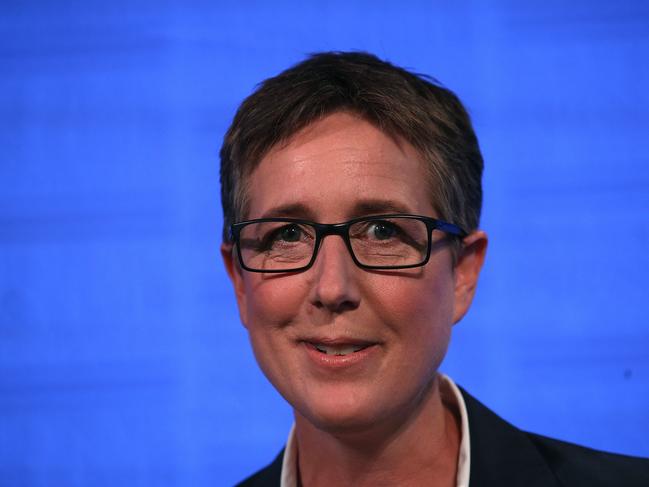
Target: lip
{"points": [[339, 362]]}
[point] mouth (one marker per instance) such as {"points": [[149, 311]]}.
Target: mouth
{"points": [[337, 347], [341, 353], [339, 350]]}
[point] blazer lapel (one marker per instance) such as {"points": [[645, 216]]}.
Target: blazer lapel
{"points": [[501, 454]]}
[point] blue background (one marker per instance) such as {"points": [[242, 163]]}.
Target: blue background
{"points": [[122, 361]]}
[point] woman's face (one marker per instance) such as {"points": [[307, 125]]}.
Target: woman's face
{"points": [[399, 322]]}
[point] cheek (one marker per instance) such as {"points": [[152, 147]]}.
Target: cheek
{"points": [[273, 302], [273, 305], [420, 312]]}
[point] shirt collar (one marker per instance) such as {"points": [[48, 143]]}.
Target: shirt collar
{"points": [[289, 463]]}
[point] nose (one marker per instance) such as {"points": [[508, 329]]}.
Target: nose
{"points": [[335, 277]]}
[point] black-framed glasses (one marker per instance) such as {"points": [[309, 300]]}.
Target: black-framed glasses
{"points": [[395, 241]]}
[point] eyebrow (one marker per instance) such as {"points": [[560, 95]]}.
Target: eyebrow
{"points": [[291, 210], [378, 206], [361, 208]]}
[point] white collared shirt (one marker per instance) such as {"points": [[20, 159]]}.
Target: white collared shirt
{"points": [[289, 464]]}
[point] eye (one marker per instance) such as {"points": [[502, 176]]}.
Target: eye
{"points": [[382, 230], [265, 236], [288, 233]]}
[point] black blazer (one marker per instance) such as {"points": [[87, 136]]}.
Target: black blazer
{"points": [[504, 456]]}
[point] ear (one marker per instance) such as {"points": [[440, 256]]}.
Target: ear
{"points": [[233, 269], [466, 272]]}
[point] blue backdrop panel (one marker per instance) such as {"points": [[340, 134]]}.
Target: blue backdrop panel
{"points": [[122, 360]]}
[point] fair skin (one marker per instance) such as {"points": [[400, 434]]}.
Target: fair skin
{"points": [[374, 417]]}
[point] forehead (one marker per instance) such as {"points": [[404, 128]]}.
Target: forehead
{"points": [[337, 168]]}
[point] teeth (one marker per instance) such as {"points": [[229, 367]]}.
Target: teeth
{"points": [[338, 349]]}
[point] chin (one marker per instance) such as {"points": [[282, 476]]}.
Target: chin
{"points": [[357, 410], [340, 422], [343, 413]]}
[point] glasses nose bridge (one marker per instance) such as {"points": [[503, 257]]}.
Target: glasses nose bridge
{"points": [[325, 229]]}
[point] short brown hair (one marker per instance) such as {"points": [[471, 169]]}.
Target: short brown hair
{"points": [[400, 103]]}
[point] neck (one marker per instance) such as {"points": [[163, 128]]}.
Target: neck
{"points": [[418, 449]]}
